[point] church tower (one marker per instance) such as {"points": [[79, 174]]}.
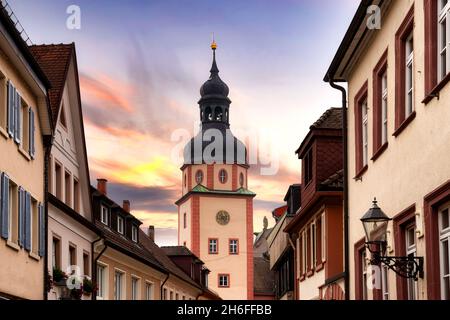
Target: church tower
{"points": [[215, 211]]}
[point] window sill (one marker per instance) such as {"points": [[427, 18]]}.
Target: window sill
{"points": [[361, 172], [13, 245], [320, 266], [24, 153], [34, 256], [434, 93], [310, 273], [380, 151], [4, 133], [404, 124], [302, 278]]}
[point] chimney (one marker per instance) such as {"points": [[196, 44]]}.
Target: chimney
{"points": [[102, 186], [126, 205], [151, 233]]}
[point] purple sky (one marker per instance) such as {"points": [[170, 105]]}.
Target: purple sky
{"points": [[141, 66]]}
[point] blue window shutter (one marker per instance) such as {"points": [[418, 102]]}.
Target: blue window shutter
{"points": [[18, 118], [31, 127], [27, 229], [21, 216], [4, 205], [41, 230], [10, 109]]}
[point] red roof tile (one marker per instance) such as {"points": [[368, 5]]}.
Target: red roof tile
{"points": [[54, 60]]}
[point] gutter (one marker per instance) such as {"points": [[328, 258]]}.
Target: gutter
{"points": [[48, 146], [345, 178], [162, 287], [94, 264]]}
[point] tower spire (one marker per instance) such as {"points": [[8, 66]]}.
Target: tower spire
{"points": [[214, 70]]}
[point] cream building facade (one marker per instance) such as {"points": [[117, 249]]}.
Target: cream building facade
{"points": [[25, 131], [398, 140]]}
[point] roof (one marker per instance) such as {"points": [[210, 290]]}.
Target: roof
{"points": [[128, 247], [291, 187], [330, 119], [202, 189], [262, 236], [263, 277], [54, 59], [335, 181], [163, 259], [353, 30]]}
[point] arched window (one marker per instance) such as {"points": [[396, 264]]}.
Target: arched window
{"points": [[199, 176], [226, 116], [218, 113], [208, 114], [223, 176], [241, 179], [185, 180]]}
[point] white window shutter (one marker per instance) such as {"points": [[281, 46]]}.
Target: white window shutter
{"points": [[11, 121], [27, 222], [4, 205], [17, 117], [31, 132], [21, 194], [41, 230]]}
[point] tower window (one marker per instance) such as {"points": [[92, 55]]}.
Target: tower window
{"points": [[208, 114], [218, 114], [199, 176], [241, 179], [223, 176]]}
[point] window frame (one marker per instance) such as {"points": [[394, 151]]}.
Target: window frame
{"points": [[216, 246], [199, 176], [226, 284], [135, 284], [120, 224], [134, 233], [103, 209], [444, 236], [102, 281], [360, 98], [231, 252], [118, 295], [225, 176], [149, 288]]}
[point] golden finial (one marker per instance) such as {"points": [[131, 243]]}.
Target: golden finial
{"points": [[213, 44]]}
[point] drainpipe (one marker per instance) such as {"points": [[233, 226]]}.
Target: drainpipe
{"points": [[48, 147], [162, 287], [346, 226], [94, 264]]}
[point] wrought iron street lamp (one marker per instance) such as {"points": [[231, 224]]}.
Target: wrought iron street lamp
{"points": [[375, 223]]}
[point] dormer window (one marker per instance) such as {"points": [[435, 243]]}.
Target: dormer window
{"points": [[104, 215], [120, 224], [308, 169], [134, 233]]}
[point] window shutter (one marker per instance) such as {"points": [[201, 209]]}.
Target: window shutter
{"points": [[17, 117], [10, 109], [31, 127], [21, 216], [27, 222], [4, 205], [41, 230]]}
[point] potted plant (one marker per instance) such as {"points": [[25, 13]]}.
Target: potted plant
{"points": [[59, 276], [76, 294], [88, 286]]}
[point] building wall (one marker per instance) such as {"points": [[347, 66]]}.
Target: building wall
{"points": [[185, 234], [309, 288], [21, 273], [180, 288], [223, 262], [416, 162]]}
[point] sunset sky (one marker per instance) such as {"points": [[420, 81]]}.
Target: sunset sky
{"points": [[141, 66]]}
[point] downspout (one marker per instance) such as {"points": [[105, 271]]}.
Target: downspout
{"points": [[345, 143], [162, 287], [47, 146], [94, 264]]}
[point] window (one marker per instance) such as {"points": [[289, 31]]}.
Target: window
{"points": [[224, 280], [364, 274], [104, 215], [443, 38], [320, 242], [176, 296], [149, 291], [102, 279], [223, 176], [380, 105], [409, 75], [164, 294], [72, 255], [86, 264], [411, 250], [3, 104], [134, 288], [385, 282], [76, 195], [304, 253], [308, 166], [199, 177], [444, 240], [234, 246], [58, 180], [241, 179], [120, 224], [184, 220], [185, 180], [56, 253], [62, 118], [68, 188], [118, 285], [134, 233], [361, 130], [213, 246], [171, 295], [312, 231], [404, 73], [24, 124]]}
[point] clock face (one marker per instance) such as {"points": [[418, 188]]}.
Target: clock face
{"points": [[222, 217]]}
